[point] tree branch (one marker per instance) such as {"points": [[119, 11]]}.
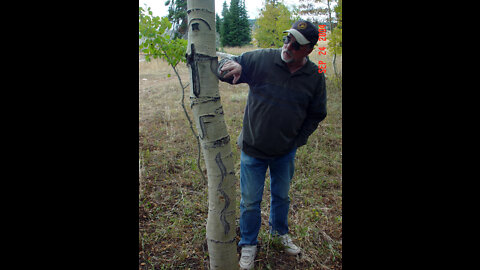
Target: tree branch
{"points": [[188, 118]]}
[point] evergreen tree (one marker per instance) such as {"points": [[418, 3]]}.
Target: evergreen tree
{"points": [[235, 29], [177, 15], [218, 23], [225, 27], [245, 36]]}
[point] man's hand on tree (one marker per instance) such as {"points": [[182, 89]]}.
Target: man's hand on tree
{"points": [[233, 68]]}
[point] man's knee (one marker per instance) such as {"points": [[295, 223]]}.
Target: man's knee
{"points": [[250, 204]]}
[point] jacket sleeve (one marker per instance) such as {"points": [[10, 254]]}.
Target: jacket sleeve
{"points": [[316, 112]]}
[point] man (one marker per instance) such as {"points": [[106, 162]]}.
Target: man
{"points": [[286, 102]]}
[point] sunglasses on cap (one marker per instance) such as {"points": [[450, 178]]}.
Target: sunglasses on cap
{"points": [[295, 45]]}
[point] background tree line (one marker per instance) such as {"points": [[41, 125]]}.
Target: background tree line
{"points": [[235, 28]]}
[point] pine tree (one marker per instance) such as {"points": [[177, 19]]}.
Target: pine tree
{"points": [[218, 23], [225, 27], [235, 28], [177, 15], [245, 35]]}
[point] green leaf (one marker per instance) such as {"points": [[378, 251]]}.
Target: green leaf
{"points": [[157, 45]]}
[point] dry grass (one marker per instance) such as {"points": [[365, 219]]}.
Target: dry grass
{"points": [[173, 197]]}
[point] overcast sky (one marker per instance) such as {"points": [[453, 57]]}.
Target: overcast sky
{"points": [[253, 6]]}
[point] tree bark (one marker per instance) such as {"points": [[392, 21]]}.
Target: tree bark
{"points": [[212, 131]]}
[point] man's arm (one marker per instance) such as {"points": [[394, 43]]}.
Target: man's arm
{"points": [[317, 111]]}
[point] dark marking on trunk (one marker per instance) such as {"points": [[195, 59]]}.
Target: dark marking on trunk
{"points": [[195, 27], [200, 19], [199, 9], [219, 110], [196, 101], [222, 242], [223, 171], [202, 121], [221, 142], [218, 143], [192, 62]]}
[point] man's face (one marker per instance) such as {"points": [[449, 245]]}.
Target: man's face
{"points": [[292, 51]]}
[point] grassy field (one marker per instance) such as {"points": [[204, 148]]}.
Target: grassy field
{"points": [[173, 197]]}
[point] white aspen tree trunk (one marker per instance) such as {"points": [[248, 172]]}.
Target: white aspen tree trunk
{"points": [[212, 131]]}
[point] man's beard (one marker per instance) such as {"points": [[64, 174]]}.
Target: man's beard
{"points": [[283, 59]]}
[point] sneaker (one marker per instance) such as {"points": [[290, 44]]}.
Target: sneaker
{"points": [[248, 257], [290, 247]]}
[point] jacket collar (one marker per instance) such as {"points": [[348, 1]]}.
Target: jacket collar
{"points": [[307, 68]]}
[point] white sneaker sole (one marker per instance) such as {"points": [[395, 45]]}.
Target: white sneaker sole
{"points": [[243, 267], [293, 253]]}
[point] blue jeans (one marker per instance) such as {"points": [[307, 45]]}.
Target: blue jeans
{"points": [[252, 180]]}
